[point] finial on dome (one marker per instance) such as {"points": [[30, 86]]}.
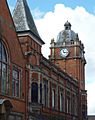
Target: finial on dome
{"points": [[67, 25]]}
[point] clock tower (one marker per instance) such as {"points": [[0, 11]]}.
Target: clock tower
{"points": [[68, 54]]}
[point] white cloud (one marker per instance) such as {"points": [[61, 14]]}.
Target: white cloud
{"points": [[37, 13], [91, 97], [83, 23]]}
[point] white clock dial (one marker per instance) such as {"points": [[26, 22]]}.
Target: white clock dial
{"points": [[64, 52]]}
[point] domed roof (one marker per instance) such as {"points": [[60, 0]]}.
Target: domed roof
{"points": [[67, 34]]}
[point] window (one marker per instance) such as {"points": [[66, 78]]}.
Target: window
{"points": [[61, 102], [34, 93], [45, 95], [53, 98], [40, 92], [45, 92], [68, 105], [16, 78], [15, 117], [3, 69]]}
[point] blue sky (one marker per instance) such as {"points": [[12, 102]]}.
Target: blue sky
{"points": [[47, 5], [81, 14]]}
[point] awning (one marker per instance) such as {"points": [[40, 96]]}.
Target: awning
{"points": [[5, 106]]}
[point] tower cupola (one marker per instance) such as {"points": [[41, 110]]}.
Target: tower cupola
{"points": [[67, 34], [67, 26]]}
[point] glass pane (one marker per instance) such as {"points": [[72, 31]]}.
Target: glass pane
{"points": [[40, 93], [53, 98], [15, 74], [45, 94], [4, 56], [0, 50], [18, 118], [34, 92], [16, 83], [17, 88], [11, 117], [0, 71], [61, 102], [4, 78], [13, 87]]}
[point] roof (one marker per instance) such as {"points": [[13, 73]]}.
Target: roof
{"points": [[67, 34], [23, 19], [67, 25]]}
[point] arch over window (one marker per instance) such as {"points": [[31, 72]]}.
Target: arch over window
{"points": [[34, 93], [3, 69]]}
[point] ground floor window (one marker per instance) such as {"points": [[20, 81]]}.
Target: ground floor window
{"points": [[14, 117]]}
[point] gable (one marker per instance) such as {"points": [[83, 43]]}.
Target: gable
{"points": [[8, 33]]}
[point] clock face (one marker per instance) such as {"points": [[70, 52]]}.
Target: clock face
{"points": [[64, 52]]}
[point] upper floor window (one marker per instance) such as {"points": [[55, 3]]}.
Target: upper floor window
{"points": [[34, 92], [68, 103], [3, 69], [45, 92], [16, 79], [40, 92], [53, 98], [61, 102]]}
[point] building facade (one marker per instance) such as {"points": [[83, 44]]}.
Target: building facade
{"points": [[31, 86]]}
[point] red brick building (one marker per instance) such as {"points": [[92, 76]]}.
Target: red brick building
{"points": [[31, 86]]}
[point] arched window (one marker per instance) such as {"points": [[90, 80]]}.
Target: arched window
{"points": [[3, 69], [34, 93]]}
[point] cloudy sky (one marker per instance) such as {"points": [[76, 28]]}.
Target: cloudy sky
{"points": [[50, 16]]}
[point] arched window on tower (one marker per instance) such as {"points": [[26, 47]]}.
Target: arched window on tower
{"points": [[3, 69], [34, 92]]}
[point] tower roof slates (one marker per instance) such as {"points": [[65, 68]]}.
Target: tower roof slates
{"points": [[23, 19]]}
